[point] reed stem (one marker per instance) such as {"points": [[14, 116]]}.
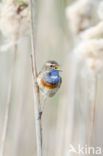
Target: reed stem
{"points": [[92, 114], [35, 88], [6, 117]]}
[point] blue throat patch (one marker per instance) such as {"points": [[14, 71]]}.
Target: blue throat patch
{"points": [[53, 77]]}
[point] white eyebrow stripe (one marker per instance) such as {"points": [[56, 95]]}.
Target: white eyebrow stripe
{"points": [[48, 64]]}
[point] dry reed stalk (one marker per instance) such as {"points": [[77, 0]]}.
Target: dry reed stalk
{"points": [[92, 114], [35, 88], [6, 118]]}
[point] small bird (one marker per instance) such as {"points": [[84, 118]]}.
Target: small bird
{"points": [[49, 80]]}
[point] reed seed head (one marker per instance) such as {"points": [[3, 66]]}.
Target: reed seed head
{"points": [[91, 51], [95, 32], [14, 18], [79, 15]]}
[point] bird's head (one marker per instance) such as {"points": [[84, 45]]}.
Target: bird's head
{"points": [[51, 66], [51, 72]]}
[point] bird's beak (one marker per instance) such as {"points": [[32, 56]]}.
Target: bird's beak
{"points": [[57, 68]]}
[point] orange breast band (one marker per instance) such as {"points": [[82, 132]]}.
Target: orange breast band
{"points": [[49, 86]]}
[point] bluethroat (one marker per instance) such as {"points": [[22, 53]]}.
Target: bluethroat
{"points": [[49, 80]]}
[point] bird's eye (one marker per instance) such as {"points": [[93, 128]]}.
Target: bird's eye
{"points": [[51, 66]]}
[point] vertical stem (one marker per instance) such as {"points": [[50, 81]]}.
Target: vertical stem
{"points": [[5, 126], [35, 88], [92, 113]]}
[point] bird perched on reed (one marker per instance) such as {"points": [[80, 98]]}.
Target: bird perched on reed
{"points": [[49, 80]]}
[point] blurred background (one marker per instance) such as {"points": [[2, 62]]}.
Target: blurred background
{"points": [[66, 115]]}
